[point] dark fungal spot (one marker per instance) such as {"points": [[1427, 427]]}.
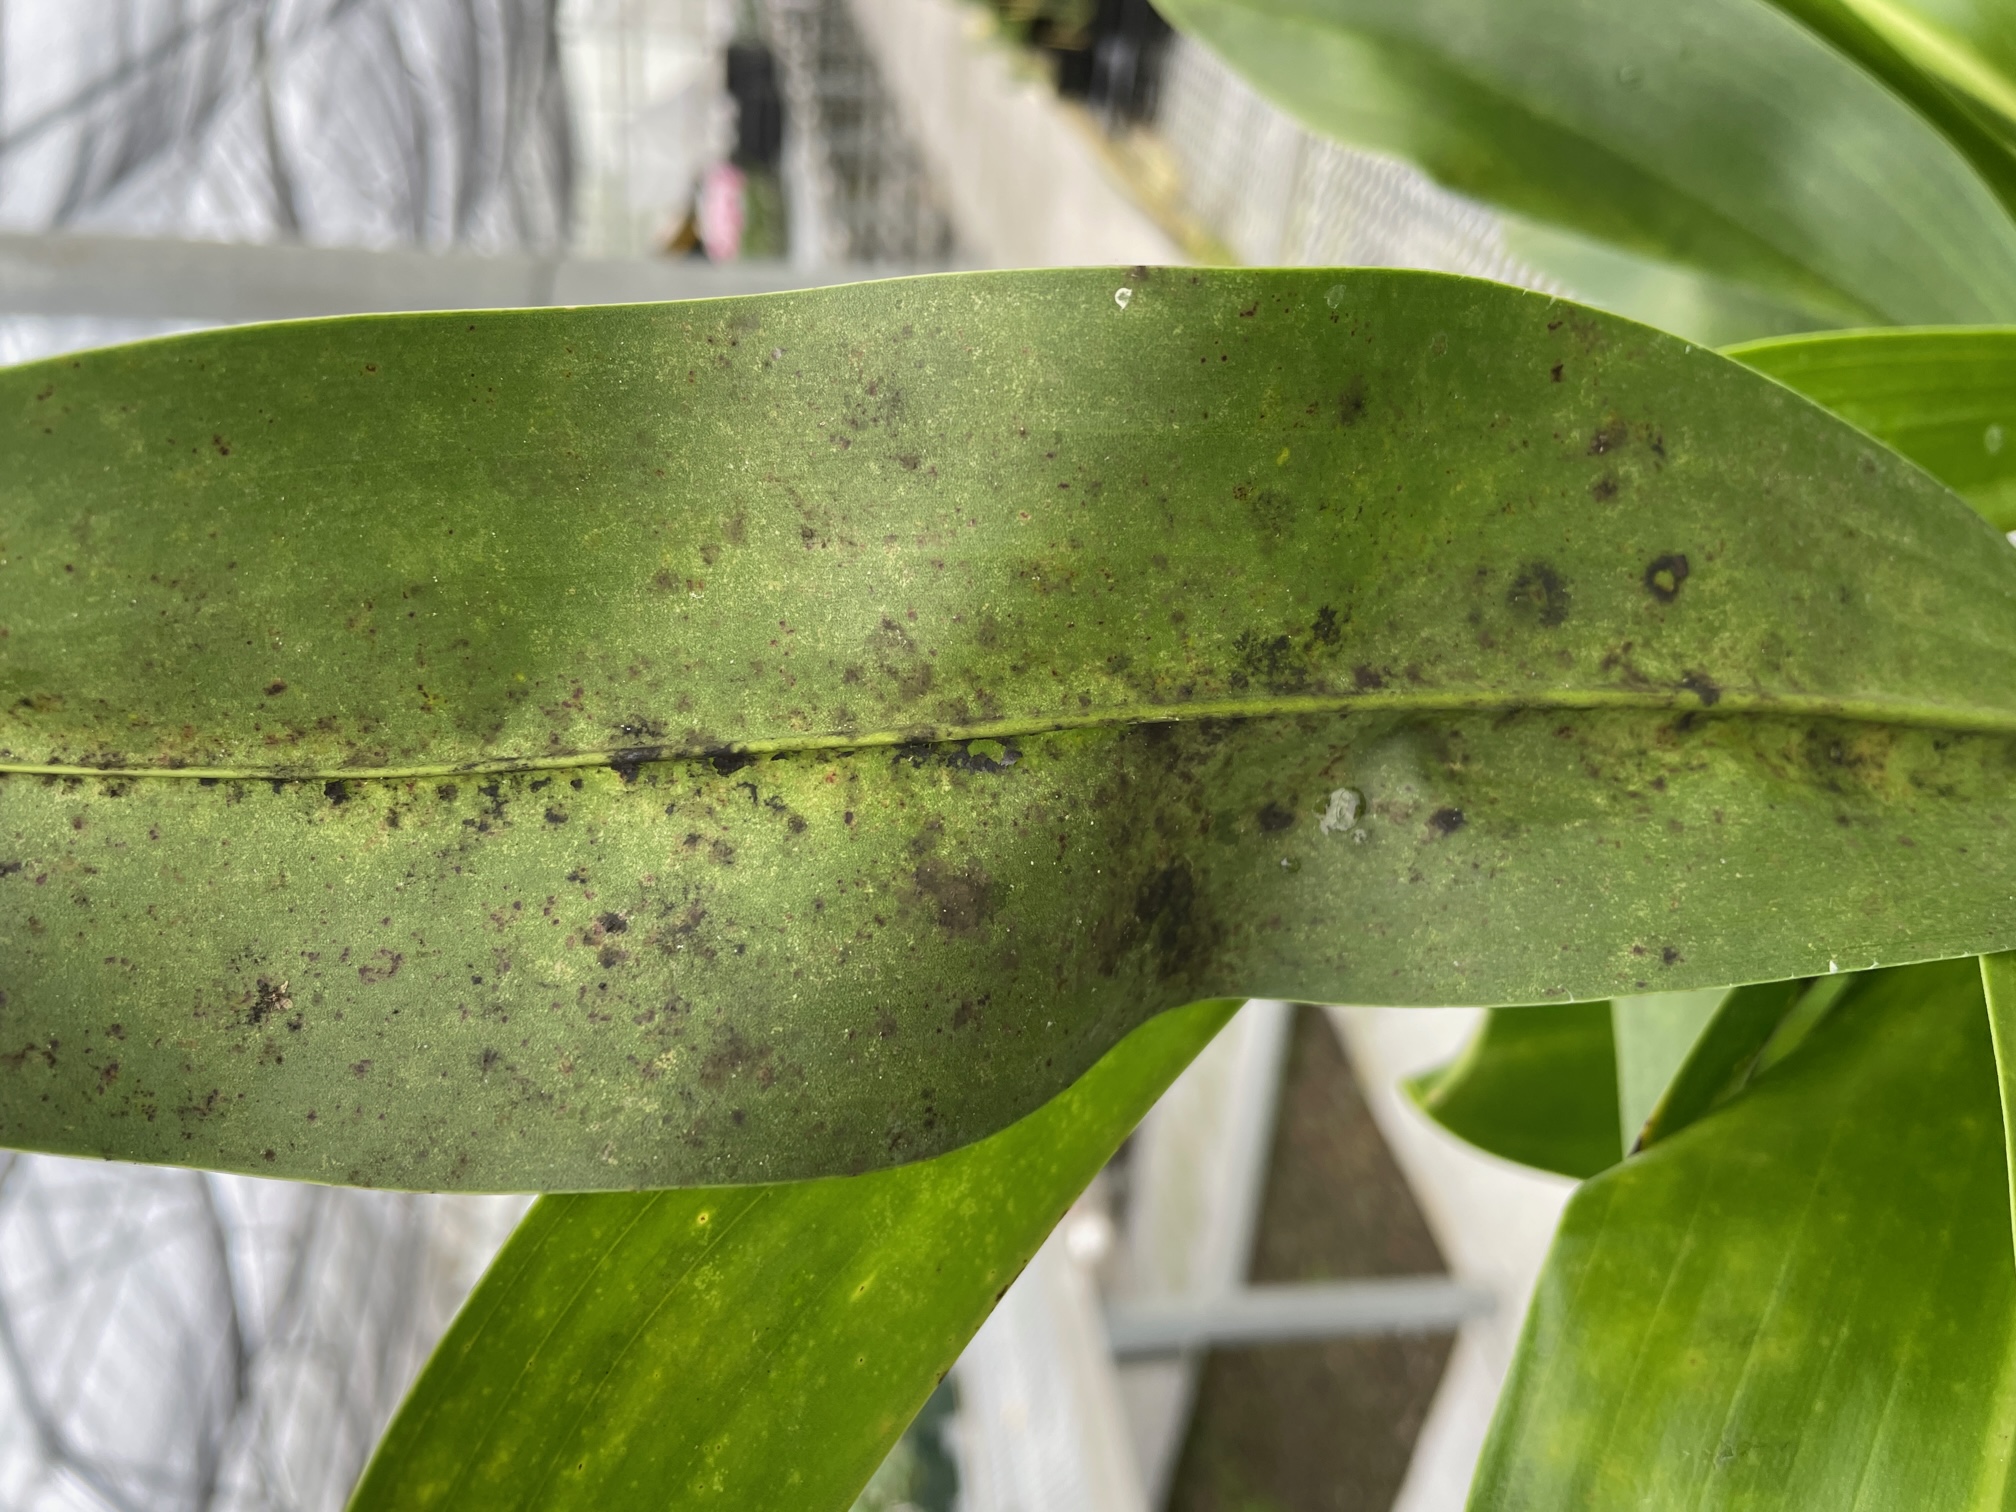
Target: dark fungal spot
{"points": [[726, 763], [733, 1057], [275, 687], [554, 816], [1703, 687], [337, 791], [447, 792], [1325, 631], [267, 1001], [1274, 818], [1540, 593], [1665, 575], [960, 901], [1351, 402], [1555, 372], [1367, 679], [1166, 910], [1670, 955], [612, 923], [626, 764], [1610, 435], [1446, 821], [1604, 489]]}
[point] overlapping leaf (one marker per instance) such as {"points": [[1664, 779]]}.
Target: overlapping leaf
{"points": [[1944, 398], [749, 1347], [773, 737], [1536, 1085], [1719, 136], [1804, 1299]]}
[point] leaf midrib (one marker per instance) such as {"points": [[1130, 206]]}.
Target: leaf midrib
{"points": [[1897, 713]]}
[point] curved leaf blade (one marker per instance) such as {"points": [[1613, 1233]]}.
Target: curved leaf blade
{"points": [[750, 1347], [1944, 398], [1720, 1062], [1655, 1033], [1436, 591], [1716, 134], [1806, 1299], [1957, 83], [1535, 1085], [1968, 46]]}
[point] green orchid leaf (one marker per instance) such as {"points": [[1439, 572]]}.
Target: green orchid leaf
{"points": [[755, 1346], [1721, 136], [1944, 398], [1967, 46], [1720, 1059], [1998, 985], [1535, 1085], [765, 738], [1805, 1299], [1698, 306], [1655, 1033], [1956, 77]]}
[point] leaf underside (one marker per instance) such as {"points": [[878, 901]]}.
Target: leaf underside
{"points": [[761, 738]]}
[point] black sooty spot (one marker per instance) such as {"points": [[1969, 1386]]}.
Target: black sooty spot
{"points": [[1446, 821], [1274, 818], [1542, 593], [337, 791], [1664, 577]]}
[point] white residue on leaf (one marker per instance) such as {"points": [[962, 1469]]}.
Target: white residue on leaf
{"points": [[1121, 296], [1341, 817]]}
